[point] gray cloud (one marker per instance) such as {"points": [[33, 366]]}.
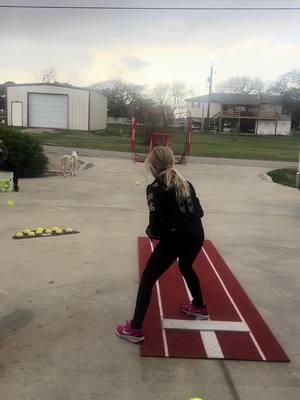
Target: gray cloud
{"points": [[135, 63], [108, 28], [33, 40]]}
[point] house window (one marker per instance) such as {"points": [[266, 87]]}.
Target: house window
{"points": [[195, 104], [267, 107]]}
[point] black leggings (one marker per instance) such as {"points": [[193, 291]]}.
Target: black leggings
{"points": [[163, 256]]}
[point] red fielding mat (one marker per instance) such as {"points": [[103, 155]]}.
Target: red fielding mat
{"points": [[235, 330]]}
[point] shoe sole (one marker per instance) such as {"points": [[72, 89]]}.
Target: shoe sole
{"points": [[201, 317], [132, 339]]}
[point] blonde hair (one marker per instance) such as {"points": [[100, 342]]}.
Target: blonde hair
{"points": [[160, 161]]}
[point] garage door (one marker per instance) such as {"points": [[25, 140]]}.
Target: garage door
{"points": [[48, 110]]}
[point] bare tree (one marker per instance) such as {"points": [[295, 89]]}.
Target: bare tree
{"points": [[287, 83], [241, 85], [49, 75], [169, 98], [124, 98], [288, 87]]}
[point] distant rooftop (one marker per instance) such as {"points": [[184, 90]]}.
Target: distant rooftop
{"points": [[246, 99]]}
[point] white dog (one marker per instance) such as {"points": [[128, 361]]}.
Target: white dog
{"points": [[69, 164]]}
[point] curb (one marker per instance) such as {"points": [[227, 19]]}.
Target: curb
{"points": [[266, 177]]}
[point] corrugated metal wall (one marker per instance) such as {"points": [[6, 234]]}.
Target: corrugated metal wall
{"points": [[78, 102], [98, 111]]}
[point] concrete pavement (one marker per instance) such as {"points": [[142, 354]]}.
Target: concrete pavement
{"points": [[61, 297]]}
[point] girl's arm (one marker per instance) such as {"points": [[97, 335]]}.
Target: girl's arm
{"points": [[196, 201], [154, 228]]}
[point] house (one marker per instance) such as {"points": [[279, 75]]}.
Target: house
{"points": [[248, 113], [53, 105]]}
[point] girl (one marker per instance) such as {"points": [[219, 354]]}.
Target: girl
{"points": [[175, 219]]}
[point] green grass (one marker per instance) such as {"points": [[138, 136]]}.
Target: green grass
{"points": [[285, 176], [117, 138]]}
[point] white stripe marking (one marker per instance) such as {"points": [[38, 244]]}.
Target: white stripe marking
{"points": [[209, 339], [211, 345], [197, 325], [164, 336], [234, 305]]}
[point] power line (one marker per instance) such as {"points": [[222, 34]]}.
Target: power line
{"points": [[121, 8]]}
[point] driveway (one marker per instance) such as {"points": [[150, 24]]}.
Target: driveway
{"points": [[61, 297]]}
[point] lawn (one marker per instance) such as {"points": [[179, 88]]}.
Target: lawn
{"points": [[117, 138], [285, 176]]}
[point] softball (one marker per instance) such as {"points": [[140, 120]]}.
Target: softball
{"points": [[19, 234], [54, 228], [26, 231], [137, 183], [31, 234], [69, 230], [10, 203], [48, 231], [39, 230], [59, 231]]}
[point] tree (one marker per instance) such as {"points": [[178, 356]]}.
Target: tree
{"points": [[169, 98], [288, 87], [287, 83], [49, 75], [124, 99], [241, 85], [3, 95]]}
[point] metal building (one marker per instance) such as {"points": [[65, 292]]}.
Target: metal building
{"points": [[52, 105]]}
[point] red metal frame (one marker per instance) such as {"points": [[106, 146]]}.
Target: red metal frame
{"points": [[159, 139], [164, 140]]}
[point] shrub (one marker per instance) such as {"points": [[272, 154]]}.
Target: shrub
{"points": [[25, 152], [284, 176]]}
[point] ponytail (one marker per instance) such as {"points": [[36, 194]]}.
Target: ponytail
{"points": [[160, 162], [173, 178]]}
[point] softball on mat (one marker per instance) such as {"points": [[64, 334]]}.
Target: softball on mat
{"points": [[19, 234], [59, 231], [31, 234], [69, 230], [54, 228], [27, 231], [39, 230]]}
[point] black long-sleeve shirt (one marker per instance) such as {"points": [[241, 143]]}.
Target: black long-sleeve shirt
{"points": [[169, 215]]}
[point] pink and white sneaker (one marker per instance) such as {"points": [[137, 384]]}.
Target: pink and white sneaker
{"points": [[126, 332], [198, 313]]}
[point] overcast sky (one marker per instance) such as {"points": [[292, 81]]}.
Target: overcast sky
{"points": [[86, 46]]}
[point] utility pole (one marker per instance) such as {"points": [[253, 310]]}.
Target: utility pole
{"points": [[209, 95]]}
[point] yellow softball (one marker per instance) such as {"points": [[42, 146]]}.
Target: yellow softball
{"points": [[10, 203]]}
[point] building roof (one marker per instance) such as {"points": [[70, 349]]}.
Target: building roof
{"points": [[246, 99], [64, 85]]}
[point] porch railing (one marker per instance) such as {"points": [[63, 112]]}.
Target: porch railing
{"points": [[251, 114]]}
